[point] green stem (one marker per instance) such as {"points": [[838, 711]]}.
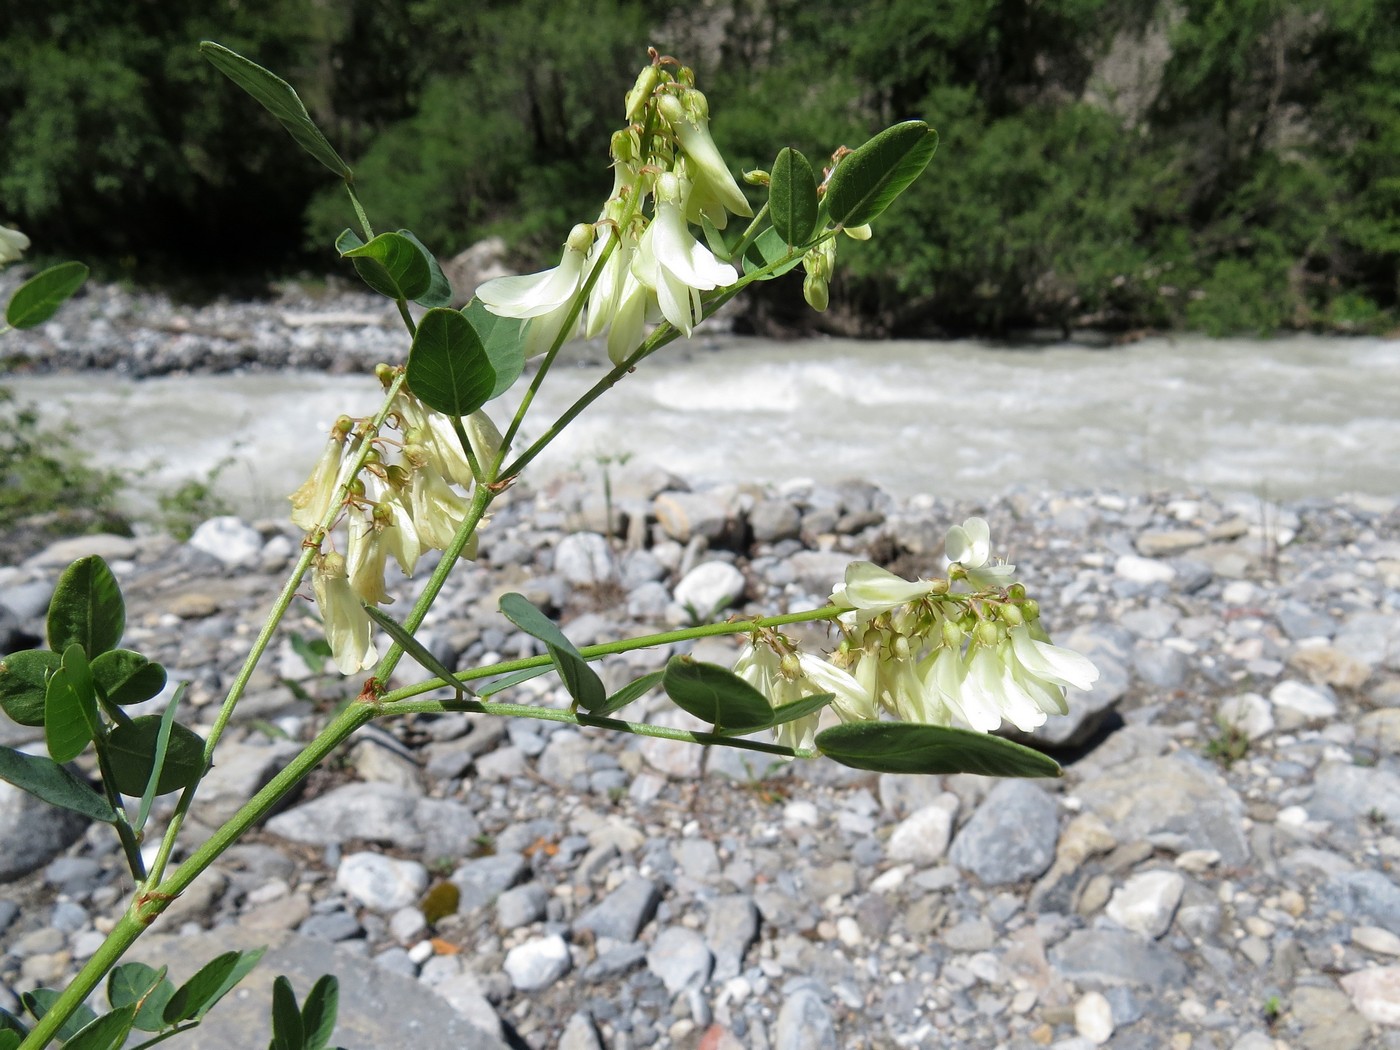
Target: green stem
{"points": [[131, 846], [466, 444], [179, 1030], [359, 210], [749, 234], [402, 304]]}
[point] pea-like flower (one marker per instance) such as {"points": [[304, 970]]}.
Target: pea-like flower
{"points": [[312, 500], [537, 294], [969, 547], [793, 676], [348, 627], [716, 193], [13, 244], [672, 263], [870, 590]]}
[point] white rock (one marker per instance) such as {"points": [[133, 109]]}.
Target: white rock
{"points": [[381, 883], [922, 837], [237, 545], [1306, 700], [1375, 939], [1375, 993], [1198, 861], [1093, 1018], [1249, 713], [1238, 592], [708, 588], [801, 814], [538, 963], [584, 559], [1143, 570], [1146, 902]]}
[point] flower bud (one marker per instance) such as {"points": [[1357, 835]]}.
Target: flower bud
{"points": [[1010, 615], [1030, 609], [758, 177], [816, 291], [580, 237], [385, 374], [637, 98], [952, 634], [987, 633], [790, 667]]}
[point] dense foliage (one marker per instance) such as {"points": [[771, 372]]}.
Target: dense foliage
{"points": [[1224, 166]]}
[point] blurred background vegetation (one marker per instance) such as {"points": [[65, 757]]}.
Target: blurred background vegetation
{"points": [[1223, 165]]}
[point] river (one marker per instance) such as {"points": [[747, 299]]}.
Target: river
{"points": [[1281, 418]]}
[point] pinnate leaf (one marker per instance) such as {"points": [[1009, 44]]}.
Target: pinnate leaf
{"points": [[579, 679]]}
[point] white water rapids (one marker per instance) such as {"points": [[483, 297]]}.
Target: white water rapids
{"points": [[1280, 418]]}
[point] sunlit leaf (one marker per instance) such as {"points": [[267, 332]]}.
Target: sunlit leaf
{"points": [[40, 1001], [766, 249], [142, 986], [24, 680], [215, 979], [715, 694], [868, 180], [795, 709], [107, 1032], [792, 197], [392, 265], [579, 679], [46, 779], [439, 291], [318, 1013], [163, 735], [132, 752], [39, 298], [127, 677], [630, 692], [906, 747], [501, 338], [414, 647], [86, 608], [70, 707], [286, 1017]]}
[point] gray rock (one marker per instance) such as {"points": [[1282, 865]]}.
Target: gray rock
{"points": [[804, 1023], [1160, 666], [1365, 898], [1011, 836], [380, 883], [241, 769], [709, 588], [482, 880], [8, 910], [537, 963], [381, 813], [397, 960], [32, 832], [338, 925], [1304, 621], [235, 544], [1166, 542], [521, 905], [580, 1034], [566, 756], [59, 554], [463, 992], [74, 876], [817, 572], [1344, 793], [1172, 801], [584, 559], [1104, 958], [1088, 708], [730, 931], [28, 601], [684, 515], [623, 912], [772, 520], [1146, 903], [679, 957], [922, 837]]}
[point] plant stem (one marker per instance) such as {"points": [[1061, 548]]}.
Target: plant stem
{"points": [[359, 210]]}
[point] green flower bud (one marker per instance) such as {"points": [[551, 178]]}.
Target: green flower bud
{"points": [[1010, 615], [816, 292], [637, 98], [757, 177]]}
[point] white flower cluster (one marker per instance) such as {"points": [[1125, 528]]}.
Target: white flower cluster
{"points": [[967, 651], [664, 163], [409, 497]]}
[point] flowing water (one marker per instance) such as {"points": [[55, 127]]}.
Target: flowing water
{"points": [[1285, 418]]}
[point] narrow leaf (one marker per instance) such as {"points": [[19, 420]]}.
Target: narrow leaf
{"points": [[579, 679], [766, 249], [24, 682], [392, 265], [277, 97], [167, 722], [215, 979], [792, 197], [448, 369], [142, 986], [132, 751], [630, 692], [39, 298], [286, 1018], [40, 1001], [107, 1032], [127, 677], [716, 694], [906, 747], [507, 681], [792, 711], [439, 291], [319, 1012], [70, 707], [868, 180], [416, 649], [46, 779], [501, 338], [86, 608]]}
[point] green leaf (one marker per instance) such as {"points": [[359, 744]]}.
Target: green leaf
{"points": [[868, 180], [348, 240], [507, 681], [132, 752], [630, 692], [40, 1001], [127, 677], [448, 369], [319, 1011], [392, 265], [107, 1032], [579, 679], [795, 709], [24, 682], [70, 707], [314, 652], [215, 979], [9, 1039], [286, 1018], [163, 734], [277, 97], [439, 291], [907, 747], [716, 694], [10, 1024], [46, 779], [767, 248], [39, 298], [86, 608], [501, 338], [792, 197], [416, 649], [142, 986]]}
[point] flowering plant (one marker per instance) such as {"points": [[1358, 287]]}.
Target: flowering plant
{"points": [[919, 676]]}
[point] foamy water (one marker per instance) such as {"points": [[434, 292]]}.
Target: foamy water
{"points": [[1289, 418]]}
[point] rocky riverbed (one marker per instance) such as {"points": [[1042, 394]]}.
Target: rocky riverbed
{"points": [[1215, 869]]}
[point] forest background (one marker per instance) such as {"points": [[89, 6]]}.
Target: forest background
{"points": [[1220, 165]]}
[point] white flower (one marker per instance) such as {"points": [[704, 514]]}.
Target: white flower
{"points": [[853, 701], [1051, 663], [437, 509], [873, 590], [537, 294], [347, 625], [365, 556], [311, 502], [672, 263], [786, 679], [13, 244], [969, 545], [630, 322], [716, 192], [399, 533]]}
